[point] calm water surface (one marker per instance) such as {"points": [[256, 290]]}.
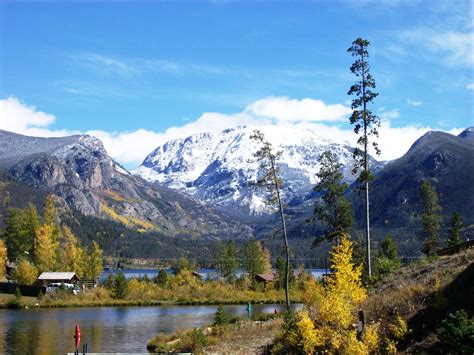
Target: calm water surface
{"points": [[205, 273], [108, 329]]}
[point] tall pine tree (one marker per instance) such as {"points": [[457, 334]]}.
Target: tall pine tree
{"points": [[431, 218], [365, 124], [228, 262], [254, 264], [336, 211], [454, 232], [271, 181]]}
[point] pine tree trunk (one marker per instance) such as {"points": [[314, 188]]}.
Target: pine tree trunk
{"points": [[367, 228], [287, 251], [285, 235], [366, 168]]}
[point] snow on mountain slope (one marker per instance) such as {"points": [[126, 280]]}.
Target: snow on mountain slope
{"points": [[78, 170], [218, 168]]}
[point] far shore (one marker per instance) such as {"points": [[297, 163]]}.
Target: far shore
{"points": [[32, 302]]}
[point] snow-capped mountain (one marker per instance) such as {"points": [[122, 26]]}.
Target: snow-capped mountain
{"points": [[83, 177], [218, 168]]}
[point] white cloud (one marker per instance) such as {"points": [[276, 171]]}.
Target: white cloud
{"points": [[470, 86], [130, 148], [454, 48], [15, 116], [389, 115], [393, 141], [286, 109], [414, 102]]}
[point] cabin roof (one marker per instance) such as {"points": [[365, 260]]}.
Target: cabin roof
{"points": [[57, 276], [265, 277]]}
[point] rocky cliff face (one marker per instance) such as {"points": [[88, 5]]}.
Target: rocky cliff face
{"points": [[218, 168], [79, 171]]}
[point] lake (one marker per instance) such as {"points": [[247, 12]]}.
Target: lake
{"points": [[204, 272], [107, 329]]}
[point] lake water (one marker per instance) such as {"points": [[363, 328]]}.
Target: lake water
{"points": [[205, 273], [108, 329]]}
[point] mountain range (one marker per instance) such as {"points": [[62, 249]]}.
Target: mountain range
{"points": [[199, 187], [445, 160], [220, 169], [78, 170], [216, 168]]}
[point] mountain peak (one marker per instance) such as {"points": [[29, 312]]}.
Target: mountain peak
{"points": [[78, 170], [217, 167], [467, 134]]}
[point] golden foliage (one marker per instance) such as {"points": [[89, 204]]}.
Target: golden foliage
{"points": [[127, 221], [117, 197], [309, 334], [185, 278], [71, 255], [25, 273], [266, 260], [3, 259], [94, 266], [45, 248], [391, 346], [326, 323], [371, 337], [399, 328]]}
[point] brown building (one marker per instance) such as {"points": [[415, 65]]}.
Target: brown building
{"points": [[63, 277]]}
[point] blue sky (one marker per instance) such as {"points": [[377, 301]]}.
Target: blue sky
{"points": [[138, 73]]}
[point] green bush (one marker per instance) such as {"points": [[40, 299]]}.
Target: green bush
{"points": [[263, 317], [199, 340], [220, 317], [162, 279], [15, 303], [118, 284], [457, 333]]}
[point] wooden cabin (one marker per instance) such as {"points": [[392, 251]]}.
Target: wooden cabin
{"points": [[62, 277], [265, 279]]}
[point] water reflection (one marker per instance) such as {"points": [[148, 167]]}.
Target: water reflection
{"points": [[111, 329]]}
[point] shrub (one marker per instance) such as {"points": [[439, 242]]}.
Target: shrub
{"points": [[221, 318], [398, 328], [162, 279], [457, 332], [15, 303], [325, 324], [199, 341], [120, 287], [118, 284]]}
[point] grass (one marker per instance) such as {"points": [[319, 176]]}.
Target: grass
{"points": [[421, 294], [7, 299], [242, 336], [149, 294]]}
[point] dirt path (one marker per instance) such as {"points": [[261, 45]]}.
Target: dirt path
{"points": [[248, 338]]}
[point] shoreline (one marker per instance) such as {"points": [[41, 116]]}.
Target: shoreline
{"points": [[140, 303]]}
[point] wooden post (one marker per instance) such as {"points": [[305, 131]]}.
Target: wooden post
{"points": [[360, 324]]}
